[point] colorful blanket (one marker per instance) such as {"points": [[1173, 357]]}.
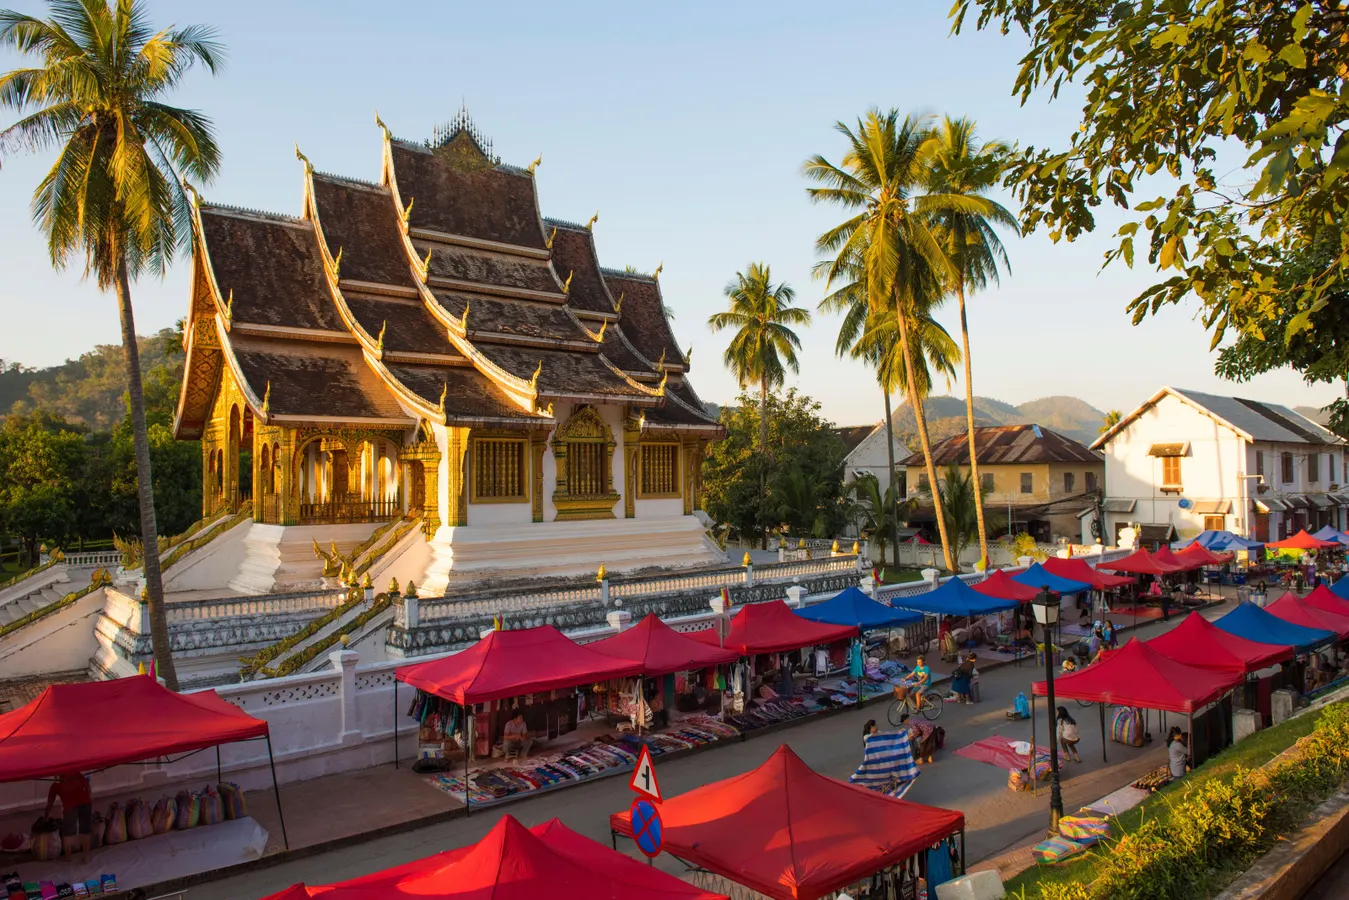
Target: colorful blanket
{"points": [[887, 764]]}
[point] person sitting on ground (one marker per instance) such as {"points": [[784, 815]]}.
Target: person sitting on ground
{"points": [[1178, 753], [77, 813], [961, 679], [516, 735]]}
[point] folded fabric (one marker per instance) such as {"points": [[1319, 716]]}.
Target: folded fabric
{"points": [[1080, 828], [1056, 849], [1020, 748]]}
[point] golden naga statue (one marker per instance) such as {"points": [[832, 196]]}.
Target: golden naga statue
{"points": [[335, 565], [590, 226], [601, 573], [535, 164]]}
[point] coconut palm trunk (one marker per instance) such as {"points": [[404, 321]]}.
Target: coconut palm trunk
{"points": [[890, 451], [916, 400], [140, 435], [763, 462], [969, 422]]}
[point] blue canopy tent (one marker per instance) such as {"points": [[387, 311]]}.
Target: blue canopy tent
{"points": [[852, 607], [1341, 589], [1040, 578], [1330, 534], [954, 598], [1255, 624], [1219, 541]]}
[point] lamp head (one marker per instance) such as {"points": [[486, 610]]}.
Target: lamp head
{"points": [[1046, 607]]}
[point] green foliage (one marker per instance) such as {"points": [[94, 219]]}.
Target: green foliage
{"points": [[800, 441], [958, 495], [1209, 829], [875, 513], [1167, 86], [764, 345], [41, 458]]}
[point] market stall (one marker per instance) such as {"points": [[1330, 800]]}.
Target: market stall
{"points": [[956, 599], [1292, 608], [852, 607], [466, 701], [789, 833], [93, 726], [1332, 535], [1198, 642], [773, 627], [1255, 624], [1141, 562], [1137, 676], [513, 862], [1323, 597], [1001, 586], [682, 672], [1304, 541]]}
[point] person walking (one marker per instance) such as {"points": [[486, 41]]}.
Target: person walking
{"points": [[1067, 733], [77, 813]]}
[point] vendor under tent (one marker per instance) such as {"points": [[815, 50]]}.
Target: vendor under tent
{"points": [[791, 833], [1292, 608], [1076, 569], [514, 863], [852, 607], [100, 724], [660, 650], [513, 663], [1255, 624], [1304, 541], [773, 627], [1001, 585], [1198, 642], [1330, 534], [954, 598], [1138, 676], [1140, 562]]}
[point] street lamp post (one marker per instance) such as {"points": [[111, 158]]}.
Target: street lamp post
{"points": [[1047, 614]]}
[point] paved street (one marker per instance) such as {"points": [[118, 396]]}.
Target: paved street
{"points": [[997, 819]]}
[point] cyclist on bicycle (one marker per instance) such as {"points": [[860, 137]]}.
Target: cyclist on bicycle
{"points": [[918, 680]]}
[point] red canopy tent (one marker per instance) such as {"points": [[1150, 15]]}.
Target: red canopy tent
{"points": [[1198, 642], [100, 724], [660, 650], [772, 627], [1137, 675], [1140, 562], [791, 833], [1001, 586], [514, 863], [1197, 551], [1304, 541], [1292, 608], [512, 663], [1324, 598], [1165, 556], [1078, 570]]}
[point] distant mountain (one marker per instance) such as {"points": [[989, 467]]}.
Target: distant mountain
{"points": [[1315, 413], [1068, 416]]}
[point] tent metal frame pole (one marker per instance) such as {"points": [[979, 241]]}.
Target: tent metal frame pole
{"points": [[1030, 766], [395, 722], [1103, 740], [276, 792], [962, 852], [468, 742], [219, 771]]}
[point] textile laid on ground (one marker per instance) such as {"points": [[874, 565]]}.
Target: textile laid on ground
{"points": [[93, 725], [792, 834], [1198, 642], [887, 764], [998, 751], [513, 663], [514, 863]]}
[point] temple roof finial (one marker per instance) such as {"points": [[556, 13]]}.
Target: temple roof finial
{"points": [[535, 164], [308, 166], [590, 226]]}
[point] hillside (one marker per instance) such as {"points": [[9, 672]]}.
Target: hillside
{"points": [[1315, 413], [1068, 416]]}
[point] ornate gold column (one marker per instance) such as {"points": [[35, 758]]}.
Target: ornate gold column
{"points": [[632, 448], [687, 453], [456, 507], [538, 446]]}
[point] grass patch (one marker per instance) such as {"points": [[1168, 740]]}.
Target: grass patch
{"points": [[896, 575], [1251, 753]]}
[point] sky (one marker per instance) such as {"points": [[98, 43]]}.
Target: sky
{"points": [[685, 126]]}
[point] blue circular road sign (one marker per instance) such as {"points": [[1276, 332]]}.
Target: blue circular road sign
{"points": [[647, 829]]}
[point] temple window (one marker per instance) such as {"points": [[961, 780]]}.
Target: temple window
{"points": [[499, 472], [659, 470]]}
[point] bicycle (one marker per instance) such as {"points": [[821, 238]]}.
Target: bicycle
{"points": [[930, 707]]}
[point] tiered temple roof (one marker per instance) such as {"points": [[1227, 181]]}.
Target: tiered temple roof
{"points": [[439, 293]]}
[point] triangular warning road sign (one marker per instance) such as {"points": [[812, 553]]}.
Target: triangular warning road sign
{"points": [[644, 778]]}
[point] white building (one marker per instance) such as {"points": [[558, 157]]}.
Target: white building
{"points": [[867, 454], [1197, 461]]}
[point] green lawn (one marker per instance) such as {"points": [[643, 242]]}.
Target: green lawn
{"points": [[1251, 753], [896, 575]]}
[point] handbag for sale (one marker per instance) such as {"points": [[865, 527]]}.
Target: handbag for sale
{"points": [[114, 832], [138, 820], [162, 816], [188, 814], [232, 799], [211, 811]]}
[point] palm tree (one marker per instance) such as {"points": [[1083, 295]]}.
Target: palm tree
{"points": [[875, 513], [764, 345], [113, 194], [1110, 421], [961, 503], [890, 231], [962, 169], [875, 340]]}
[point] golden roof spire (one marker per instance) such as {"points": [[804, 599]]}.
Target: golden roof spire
{"points": [[463, 320], [590, 226], [534, 381], [308, 166], [535, 164], [337, 264], [444, 392], [426, 263], [566, 285], [407, 210], [267, 399], [655, 276], [600, 335], [229, 307], [549, 243], [379, 344], [382, 127], [618, 306]]}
